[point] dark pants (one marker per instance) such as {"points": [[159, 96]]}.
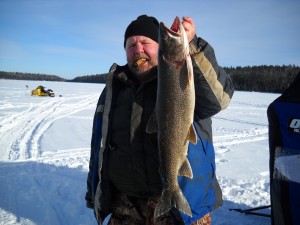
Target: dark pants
{"points": [[138, 211]]}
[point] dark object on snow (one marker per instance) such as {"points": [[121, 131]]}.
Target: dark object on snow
{"points": [[252, 211], [284, 144], [40, 91]]}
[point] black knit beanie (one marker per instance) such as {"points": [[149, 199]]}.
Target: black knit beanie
{"points": [[143, 25]]}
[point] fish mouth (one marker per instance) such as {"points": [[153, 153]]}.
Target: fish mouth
{"points": [[174, 29], [175, 25]]}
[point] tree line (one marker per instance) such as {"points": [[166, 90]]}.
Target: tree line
{"points": [[249, 78], [29, 76], [263, 78], [98, 78]]}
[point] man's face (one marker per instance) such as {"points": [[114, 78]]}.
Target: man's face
{"points": [[142, 54]]}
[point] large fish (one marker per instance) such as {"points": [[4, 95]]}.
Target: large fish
{"points": [[173, 117]]}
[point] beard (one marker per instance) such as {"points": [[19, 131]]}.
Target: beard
{"points": [[144, 75], [143, 71]]}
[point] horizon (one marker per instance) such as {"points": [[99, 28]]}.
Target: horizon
{"points": [[71, 78], [70, 39]]}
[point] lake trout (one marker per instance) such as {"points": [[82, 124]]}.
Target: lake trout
{"points": [[173, 115]]}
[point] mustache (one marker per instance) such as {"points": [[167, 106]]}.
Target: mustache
{"points": [[140, 56]]}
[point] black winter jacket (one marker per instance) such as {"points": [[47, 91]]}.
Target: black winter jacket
{"points": [[213, 88]]}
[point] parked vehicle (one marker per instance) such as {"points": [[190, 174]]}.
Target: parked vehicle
{"points": [[41, 91]]}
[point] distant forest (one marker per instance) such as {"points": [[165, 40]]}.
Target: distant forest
{"points": [[98, 78], [263, 78], [29, 76], [250, 78]]}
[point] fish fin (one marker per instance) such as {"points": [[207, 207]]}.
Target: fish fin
{"points": [[186, 169], [152, 124], [192, 135], [190, 72], [170, 199]]}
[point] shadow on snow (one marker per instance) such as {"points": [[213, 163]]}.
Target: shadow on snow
{"points": [[48, 194], [43, 193]]}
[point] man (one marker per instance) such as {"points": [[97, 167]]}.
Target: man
{"points": [[284, 145], [123, 179]]}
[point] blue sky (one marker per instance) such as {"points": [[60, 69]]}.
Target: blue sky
{"points": [[72, 38]]}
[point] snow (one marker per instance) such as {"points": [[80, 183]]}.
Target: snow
{"points": [[44, 154]]}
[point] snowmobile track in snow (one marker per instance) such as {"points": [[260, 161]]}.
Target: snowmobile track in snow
{"points": [[31, 123]]}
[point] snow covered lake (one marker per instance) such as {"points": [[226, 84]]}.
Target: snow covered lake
{"points": [[44, 154]]}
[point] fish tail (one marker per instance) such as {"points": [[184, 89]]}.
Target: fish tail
{"points": [[170, 199]]}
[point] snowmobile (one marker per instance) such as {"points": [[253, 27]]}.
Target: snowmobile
{"points": [[41, 91]]}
